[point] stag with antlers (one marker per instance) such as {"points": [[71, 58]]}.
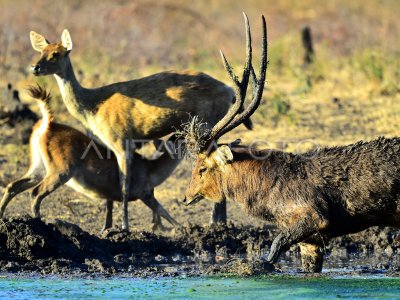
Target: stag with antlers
{"points": [[311, 197]]}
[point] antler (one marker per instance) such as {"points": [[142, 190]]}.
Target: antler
{"points": [[233, 118]]}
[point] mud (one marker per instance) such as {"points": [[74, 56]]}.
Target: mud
{"points": [[28, 245]]}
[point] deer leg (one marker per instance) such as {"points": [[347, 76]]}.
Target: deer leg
{"points": [[124, 162], [48, 185], [297, 233], [218, 214], [158, 212], [157, 223], [312, 257], [109, 213], [14, 188]]}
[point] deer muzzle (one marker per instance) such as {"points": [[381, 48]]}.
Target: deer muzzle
{"points": [[36, 69]]}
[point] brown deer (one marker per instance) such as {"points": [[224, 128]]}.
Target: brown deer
{"points": [[145, 108], [63, 155], [311, 197]]}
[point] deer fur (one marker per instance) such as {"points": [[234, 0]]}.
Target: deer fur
{"points": [[63, 155]]}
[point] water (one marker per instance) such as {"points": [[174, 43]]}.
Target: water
{"points": [[272, 287]]}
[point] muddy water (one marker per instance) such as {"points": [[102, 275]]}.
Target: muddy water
{"points": [[270, 287]]}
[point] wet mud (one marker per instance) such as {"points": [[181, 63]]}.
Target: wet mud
{"points": [[28, 245]]}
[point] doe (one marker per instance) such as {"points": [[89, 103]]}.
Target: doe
{"points": [[63, 155]]}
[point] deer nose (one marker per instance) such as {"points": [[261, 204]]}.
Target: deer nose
{"points": [[35, 68], [184, 201]]}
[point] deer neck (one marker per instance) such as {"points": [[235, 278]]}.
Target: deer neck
{"points": [[161, 168], [240, 186], [75, 97]]}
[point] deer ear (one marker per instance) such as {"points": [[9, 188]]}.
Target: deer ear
{"points": [[223, 155], [38, 41], [66, 40]]}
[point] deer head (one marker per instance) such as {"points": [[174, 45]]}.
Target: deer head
{"points": [[213, 160], [53, 57]]}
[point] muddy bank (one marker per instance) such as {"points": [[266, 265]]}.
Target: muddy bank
{"points": [[30, 245]]}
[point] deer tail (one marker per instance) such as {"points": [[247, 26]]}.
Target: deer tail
{"points": [[43, 97]]}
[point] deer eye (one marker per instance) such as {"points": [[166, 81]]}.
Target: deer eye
{"points": [[202, 170], [56, 55]]}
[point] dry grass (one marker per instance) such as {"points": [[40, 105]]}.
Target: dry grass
{"points": [[351, 92]]}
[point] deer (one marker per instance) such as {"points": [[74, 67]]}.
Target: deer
{"points": [[144, 108], [62, 155], [311, 197]]}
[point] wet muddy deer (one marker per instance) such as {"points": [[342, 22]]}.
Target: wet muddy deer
{"points": [[311, 197], [63, 155], [145, 108]]}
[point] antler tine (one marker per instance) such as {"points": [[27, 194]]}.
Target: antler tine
{"points": [[264, 55], [258, 86], [247, 66], [240, 87]]}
